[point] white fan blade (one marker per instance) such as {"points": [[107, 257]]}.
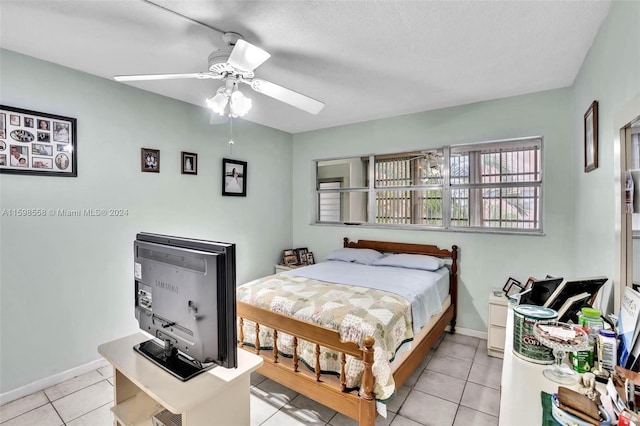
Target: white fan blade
{"points": [[141, 77], [285, 95], [247, 57]]}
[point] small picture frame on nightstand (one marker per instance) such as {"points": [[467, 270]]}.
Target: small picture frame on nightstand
{"points": [[512, 287]]}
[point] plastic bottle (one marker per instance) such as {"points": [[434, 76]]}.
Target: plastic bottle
{"points": [[591, 321], [607, 354]]}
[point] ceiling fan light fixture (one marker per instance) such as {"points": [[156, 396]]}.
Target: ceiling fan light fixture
{"points": [[218, 103], [239, 104]]}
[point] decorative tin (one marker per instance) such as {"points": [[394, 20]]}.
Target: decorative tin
{"points": [[525, 344]]}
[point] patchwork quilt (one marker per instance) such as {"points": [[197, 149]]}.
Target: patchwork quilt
{"points": [[356, 312]]}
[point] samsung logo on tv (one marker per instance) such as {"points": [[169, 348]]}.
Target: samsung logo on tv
{"points": [[167, 287]]}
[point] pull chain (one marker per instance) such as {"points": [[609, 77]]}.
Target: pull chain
{"points": [[231, 135]]}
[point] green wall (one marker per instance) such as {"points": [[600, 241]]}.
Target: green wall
{"points": [[66, 282], [486, 261], [610, 74]]}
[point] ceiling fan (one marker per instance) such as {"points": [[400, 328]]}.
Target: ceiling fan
{"points": [[236, 64]]}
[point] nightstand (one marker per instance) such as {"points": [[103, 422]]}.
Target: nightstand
{"points": [[497, 323], [282, 268]]}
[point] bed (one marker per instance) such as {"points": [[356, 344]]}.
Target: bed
{"points": [[344, 367]]}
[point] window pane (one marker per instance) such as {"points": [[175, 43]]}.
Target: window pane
{"points": [[510, 207], [329, 203], [460, 207], [409, 169], [422, 207], [352, 172], [342, 206]]}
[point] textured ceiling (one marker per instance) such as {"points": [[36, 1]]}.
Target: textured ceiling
{"points": [[364, 59]]}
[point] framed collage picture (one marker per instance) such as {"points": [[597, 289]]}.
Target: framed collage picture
{"points": [[37, 143]]}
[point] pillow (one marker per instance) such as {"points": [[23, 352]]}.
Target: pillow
{"points": [[412, 261], [363, 256]]}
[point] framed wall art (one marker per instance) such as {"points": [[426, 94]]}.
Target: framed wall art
{"points": [[150, 160], [591, 137], [37, 143], [189, 163], [234, 177]]}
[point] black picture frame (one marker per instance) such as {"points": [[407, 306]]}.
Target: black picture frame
{"points": [[512, 287], [234, 177], [189, 163], [591, 137], [29, 151], [301, 254], [149, 160]]}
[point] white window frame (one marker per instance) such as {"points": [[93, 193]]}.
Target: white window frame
{"points": [[447, 188]]}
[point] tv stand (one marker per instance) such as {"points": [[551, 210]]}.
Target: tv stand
{"points": [[142, 390]]}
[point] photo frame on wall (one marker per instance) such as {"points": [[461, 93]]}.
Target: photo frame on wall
{"points": [[149, 160], [189, 163], [28, 150], [234, 177], [591, 137]]}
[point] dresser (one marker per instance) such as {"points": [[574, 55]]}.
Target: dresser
{"points": [[497, 323]]}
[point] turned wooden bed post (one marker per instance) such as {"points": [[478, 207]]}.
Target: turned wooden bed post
{"points": [[367, 406], [454, 286]]}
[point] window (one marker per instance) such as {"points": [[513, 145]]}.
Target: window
{"points": [[494, 186]]}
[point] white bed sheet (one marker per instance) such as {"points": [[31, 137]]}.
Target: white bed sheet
{"points": [[424, 290]]}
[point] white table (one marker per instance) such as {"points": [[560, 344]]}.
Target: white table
{"points": [[521, 384], [219, 396]]}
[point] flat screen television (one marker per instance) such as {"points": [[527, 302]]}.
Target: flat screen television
{"points": [[185, 296]]}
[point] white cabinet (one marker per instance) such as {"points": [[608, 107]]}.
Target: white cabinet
{"points": [[497, 320]]}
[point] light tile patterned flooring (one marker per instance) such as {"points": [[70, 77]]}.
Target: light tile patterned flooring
{"points": [[456, 384]]}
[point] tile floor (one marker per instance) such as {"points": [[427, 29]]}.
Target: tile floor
{"points": [[456, 384]]}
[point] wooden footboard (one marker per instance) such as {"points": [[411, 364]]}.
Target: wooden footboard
{"points": [[326, 389]]}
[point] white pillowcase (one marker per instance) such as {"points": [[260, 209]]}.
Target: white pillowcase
{"points": [[363, 256], [412, 261]]}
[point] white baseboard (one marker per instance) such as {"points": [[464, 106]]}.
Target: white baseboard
{"points": [[47, 382], [470, 332]]}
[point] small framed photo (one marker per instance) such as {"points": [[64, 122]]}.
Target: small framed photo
{"points": [[591, 137], [150, 160], [529, 283], [189, 163], [28, 148], [289, 257], [512, 287], [301, 254], [234, 177], [310, 259]]}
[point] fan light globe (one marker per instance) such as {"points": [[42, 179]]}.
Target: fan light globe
{"points": [[217, 103], [240, 104]]}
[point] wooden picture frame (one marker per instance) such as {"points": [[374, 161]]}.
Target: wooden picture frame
{"points": [[591, 137], [30, 151], [234, 177], [149, 160], [189, 163], [289, 257], [512, 287], [529, 283]]}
